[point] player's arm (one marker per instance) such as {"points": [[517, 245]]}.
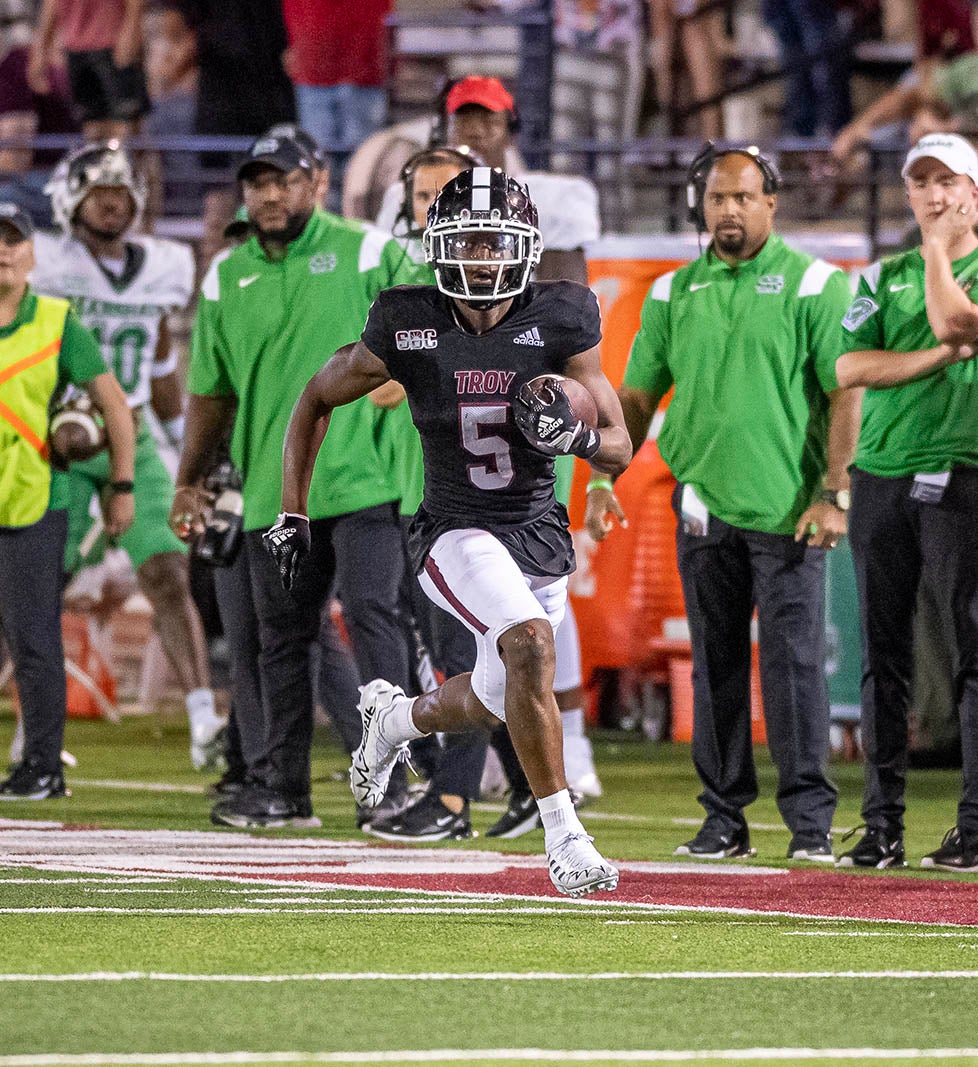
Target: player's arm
{"points": [[350, 374], [108, 397], [165, 395], [353, 372], [614, 450]]}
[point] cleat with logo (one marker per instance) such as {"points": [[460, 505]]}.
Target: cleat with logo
{"points": [[577, 868], [426, 820], [28, 782], [714, 842], [879, 847], [955, 853], [373, 761]]}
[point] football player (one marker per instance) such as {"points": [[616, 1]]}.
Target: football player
{"points": [[489, 541], [122, 286]]}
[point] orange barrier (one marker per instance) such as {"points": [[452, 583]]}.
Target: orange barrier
{"points": [[681, 699], [92, 690]]}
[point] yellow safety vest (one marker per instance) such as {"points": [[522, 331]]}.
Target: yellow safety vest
{"points": [[28, 378]]}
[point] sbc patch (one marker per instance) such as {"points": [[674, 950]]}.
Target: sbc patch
{"points": [[769, 283], [415, 340], [859, 311]]}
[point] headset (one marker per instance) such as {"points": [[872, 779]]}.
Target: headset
{"points": [[439, 126], [427, 157], [700, 169]]}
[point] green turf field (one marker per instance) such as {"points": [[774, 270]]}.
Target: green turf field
{"points": [[111, 952]]}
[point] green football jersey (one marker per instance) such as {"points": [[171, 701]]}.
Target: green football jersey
{"points": [[263, 329], [929, 425], [751, 352]]}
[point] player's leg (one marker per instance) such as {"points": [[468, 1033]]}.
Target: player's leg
{"points": [[160, 560], [578, 754]]}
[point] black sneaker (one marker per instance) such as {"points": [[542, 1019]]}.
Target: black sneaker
{"points": [[396, 799], [520, 817], [257, 806], [714, 843], [955, 854], [228, 785], [426, 819], [879, 847], [811, 848], [28, 782]]}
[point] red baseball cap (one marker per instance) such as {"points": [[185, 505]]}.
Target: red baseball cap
{"points": [[489, 93]]}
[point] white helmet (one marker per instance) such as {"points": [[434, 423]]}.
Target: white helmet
{"points": [[104, 163]]}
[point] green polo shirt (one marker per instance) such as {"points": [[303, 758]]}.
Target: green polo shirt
{"points": [[929, 425], [751, 352], [264, 327]]}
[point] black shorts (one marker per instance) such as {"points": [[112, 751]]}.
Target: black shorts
{"points": [[101, 90]]}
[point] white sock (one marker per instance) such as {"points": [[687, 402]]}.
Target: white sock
{"points": [[573, 722], [200, 705], [400, 727], [558, 817]]}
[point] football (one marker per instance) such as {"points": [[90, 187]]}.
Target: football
{"points": [[581, 401], [76, 432]]}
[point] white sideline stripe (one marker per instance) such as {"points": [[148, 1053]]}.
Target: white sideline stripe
{"points": [[492, 976], [882, 933], [143, 787], [363, 909], [532, 1055]]}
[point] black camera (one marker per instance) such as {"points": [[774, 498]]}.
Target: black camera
{"points": [[219, 544]]}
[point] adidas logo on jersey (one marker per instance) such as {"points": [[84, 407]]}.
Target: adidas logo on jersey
{"points": [[530, 337]]}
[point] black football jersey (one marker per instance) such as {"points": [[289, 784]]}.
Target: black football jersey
{"points": [[480, 471]]}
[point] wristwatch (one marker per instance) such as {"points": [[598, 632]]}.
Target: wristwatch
{"points": [[838, 498]]}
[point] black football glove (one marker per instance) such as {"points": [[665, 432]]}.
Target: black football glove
{"points": [[287, 542], [551, 425]]}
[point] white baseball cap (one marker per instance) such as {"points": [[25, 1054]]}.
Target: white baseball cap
{"points": [[953, 151]]}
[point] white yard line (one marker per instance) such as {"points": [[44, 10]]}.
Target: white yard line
{"points": [[495, 976], [965, 932], [530, 1055]]}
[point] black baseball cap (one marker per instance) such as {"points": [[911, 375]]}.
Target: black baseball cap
{"points": [[302, 138], [282, 153], [19, 219]]}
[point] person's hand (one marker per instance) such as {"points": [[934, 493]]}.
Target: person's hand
{"points": [[602, 508], [953, 223], [957, 353], [822, 525], [552, 427], [37, 72], [846, 142], [190, 504], [288, 542], [118, 511]]}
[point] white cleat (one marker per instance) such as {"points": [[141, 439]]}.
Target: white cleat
{"points": [[207, 741], [373, 761], [577, 868]]}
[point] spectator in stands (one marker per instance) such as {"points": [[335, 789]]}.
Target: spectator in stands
{"points": [[171, 75], [910, 339], [337, 62], [242, 89], [694, 28], [480, 113], [254, 346], [759, 435], [815, 58], [33, 523], [103, 40], [940, 93], [25, 113]]}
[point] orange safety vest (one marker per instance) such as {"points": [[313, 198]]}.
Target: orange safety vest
{"points": [[28, 379]]}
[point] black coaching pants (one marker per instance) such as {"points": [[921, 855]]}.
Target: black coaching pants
{"points": [[725, 575], [895, 539]]}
